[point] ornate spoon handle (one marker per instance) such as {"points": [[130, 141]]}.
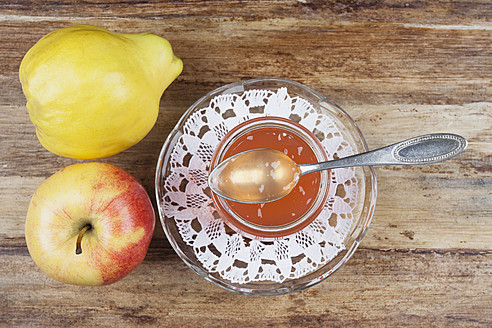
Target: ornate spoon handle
{"points": [[425, 149]]}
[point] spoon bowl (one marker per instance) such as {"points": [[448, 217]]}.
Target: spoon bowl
{"points": [[255, 176]]}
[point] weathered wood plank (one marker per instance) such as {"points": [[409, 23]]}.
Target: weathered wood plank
{"points": [[360, 62], [376, 288], [414, 12]]}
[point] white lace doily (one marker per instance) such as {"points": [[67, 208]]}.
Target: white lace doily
{"points": [[234, 257]]}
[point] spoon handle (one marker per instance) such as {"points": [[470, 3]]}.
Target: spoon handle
{"points": [[425, 149]]}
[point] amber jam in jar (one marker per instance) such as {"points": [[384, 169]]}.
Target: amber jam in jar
{"points": [[293, 212]]}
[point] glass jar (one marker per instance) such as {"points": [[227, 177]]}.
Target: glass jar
{"points": [[292, 213]]}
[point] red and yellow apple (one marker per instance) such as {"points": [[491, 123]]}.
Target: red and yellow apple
{"points": [[89, 224]]}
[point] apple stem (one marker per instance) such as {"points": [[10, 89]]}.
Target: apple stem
{"points": [[78, 249]]}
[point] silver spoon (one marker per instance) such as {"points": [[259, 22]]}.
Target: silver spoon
{"points": [[265, 175]]}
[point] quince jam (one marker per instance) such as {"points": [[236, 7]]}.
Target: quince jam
{"points": [[302, 197]]}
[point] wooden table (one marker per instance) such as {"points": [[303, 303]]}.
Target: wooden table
{"points": [[400, 68]]}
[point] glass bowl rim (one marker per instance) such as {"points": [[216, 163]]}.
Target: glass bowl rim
{"points": [[204, 273]]}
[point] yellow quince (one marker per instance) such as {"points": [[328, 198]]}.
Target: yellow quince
{"points": [[92, 93]]}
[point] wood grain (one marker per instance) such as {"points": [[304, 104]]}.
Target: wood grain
{"points": [[376, 288], [399, 68]]}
